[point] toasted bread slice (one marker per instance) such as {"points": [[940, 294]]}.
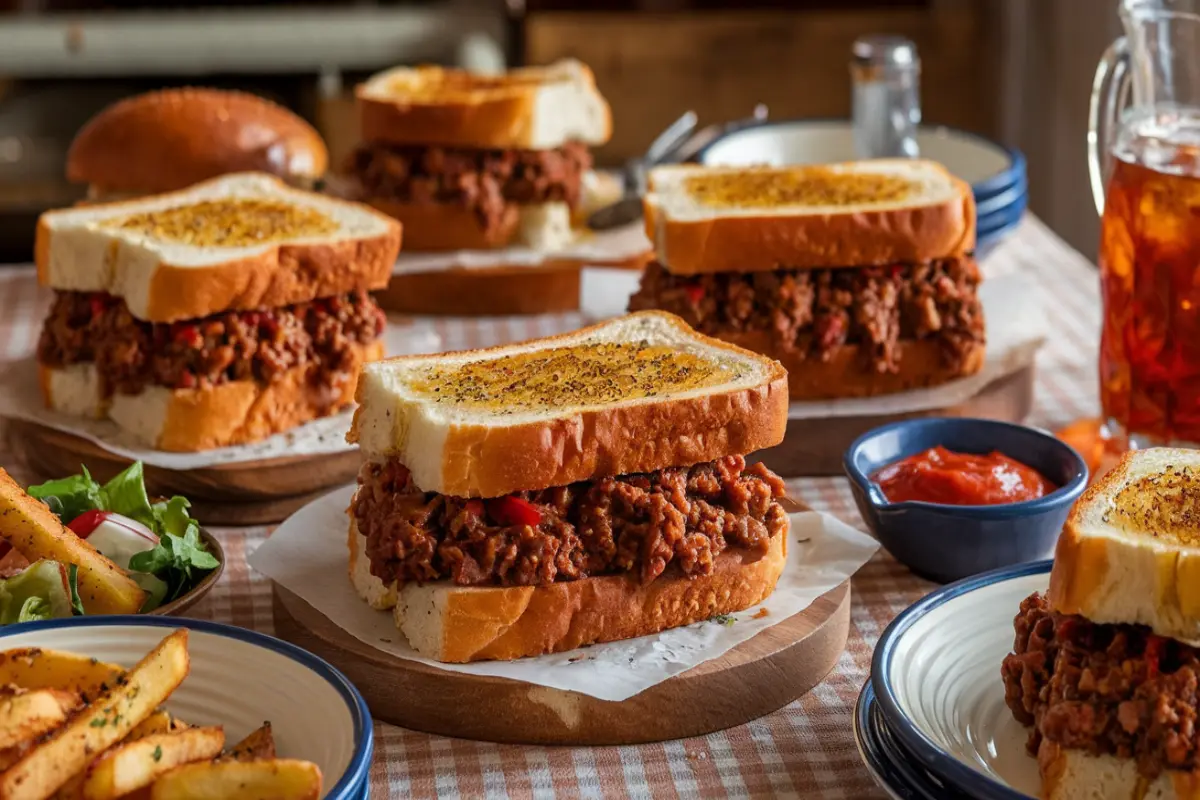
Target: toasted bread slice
{"points": [[241, 241], [1078, 775], [860, 213], [188, 420], [533, 108], [436, 227], [633, 394], [36, 532], [459, 624], [1130, 551]]}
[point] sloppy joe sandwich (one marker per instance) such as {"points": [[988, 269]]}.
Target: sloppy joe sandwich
{"points": [[859, 277], [215, 316], [168, 140], [1105, 666], [584, 488]]}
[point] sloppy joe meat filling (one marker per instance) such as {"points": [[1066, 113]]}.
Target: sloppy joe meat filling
{"points": [[639, 524], [1115, 690]]}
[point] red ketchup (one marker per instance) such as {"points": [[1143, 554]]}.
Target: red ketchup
{"points": [[942, 476]]}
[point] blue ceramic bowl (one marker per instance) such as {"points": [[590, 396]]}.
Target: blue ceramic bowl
{"points": [[946, 543]]}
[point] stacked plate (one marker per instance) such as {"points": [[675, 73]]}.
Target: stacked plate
{"points": [[996, 173], [932, 721]]}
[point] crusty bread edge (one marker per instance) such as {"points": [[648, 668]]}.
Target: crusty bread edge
{"points": [[547, 288], [492, 121], [1094, 574], [1069, 774], [847, 373], [281, 274], [442, 227], [767, 242], [372, 590], [503, 623], [480, 460]]}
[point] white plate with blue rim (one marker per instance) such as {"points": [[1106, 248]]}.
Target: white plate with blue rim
{"points": [[936, 677], [238, 679], [991, 168]]}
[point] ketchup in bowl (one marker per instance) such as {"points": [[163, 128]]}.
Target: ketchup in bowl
{"points": [[942, 476]]}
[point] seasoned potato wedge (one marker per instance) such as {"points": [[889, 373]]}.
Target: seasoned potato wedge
{"points": [[274, 779], [29, 714], [52, 763], [260, 744], [134, 765], [35, 532], [34, 668]]}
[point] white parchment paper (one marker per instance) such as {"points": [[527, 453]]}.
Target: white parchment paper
{"points": [[20, 398], [1016, 329], [307, 555]]}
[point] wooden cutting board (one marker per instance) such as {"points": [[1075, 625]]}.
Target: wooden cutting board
{"points": [[755, 678], [246, 493]]}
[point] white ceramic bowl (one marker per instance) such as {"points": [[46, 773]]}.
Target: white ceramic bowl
{"points": [[936, 673], [238, 679], [986, 165]]}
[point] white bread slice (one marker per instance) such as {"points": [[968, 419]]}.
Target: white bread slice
{"points": [[859, 213], [1130, 550], [73, 390], [458, 624], [379, 596], [437, 227], [1077, 775], [189, 420], [212, 248], [634, 394], [531, 108]]}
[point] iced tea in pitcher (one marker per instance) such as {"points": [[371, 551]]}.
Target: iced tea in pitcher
{"points": [[1150, 272]]}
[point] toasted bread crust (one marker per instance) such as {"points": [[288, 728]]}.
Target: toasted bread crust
{"points": [[439, 227], [486, 118], [1125, 579], [1077, 775], [239, 412], [483, 461], [171, 139], [848, 374], [281, 275], [548, 288], [503, 623], [768, 242]]}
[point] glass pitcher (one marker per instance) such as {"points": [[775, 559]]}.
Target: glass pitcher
{"points": [[1144, 160]]}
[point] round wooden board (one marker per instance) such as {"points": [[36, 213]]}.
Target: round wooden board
{"points": [[245, 493], [755, 678], [816, 446]]}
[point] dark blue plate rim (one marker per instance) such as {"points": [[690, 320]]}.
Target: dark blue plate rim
{"points": [[893, 772], [354, 779], [931, 755], [985, 188]]}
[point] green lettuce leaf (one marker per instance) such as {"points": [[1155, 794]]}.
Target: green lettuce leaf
{"points": [[73, 586], [70, 497], [179, 561], [155, 589], [40, 592], [126, 495]]}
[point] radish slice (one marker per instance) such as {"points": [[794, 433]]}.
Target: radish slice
{"points": [[117, 537]]}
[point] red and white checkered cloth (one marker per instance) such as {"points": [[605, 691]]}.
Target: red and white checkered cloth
{"points": [[806, 749]]}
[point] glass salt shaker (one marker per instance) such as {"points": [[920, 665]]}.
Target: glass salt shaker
{"points": [[886, 74]]}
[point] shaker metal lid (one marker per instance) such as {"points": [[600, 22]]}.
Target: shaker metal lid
{"points": [[881, 50]]}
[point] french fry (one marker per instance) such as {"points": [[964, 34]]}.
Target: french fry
{"points": [[36, 532], [260, 744], [34, 668], [134, 765], [275, 779], [29, 714], [51, 764], [160, 721]]}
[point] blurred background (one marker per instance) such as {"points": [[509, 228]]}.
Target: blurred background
{"points": [[1017, 71]]}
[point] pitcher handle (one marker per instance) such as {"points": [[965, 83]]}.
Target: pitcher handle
{"points": [[1110, 90]]}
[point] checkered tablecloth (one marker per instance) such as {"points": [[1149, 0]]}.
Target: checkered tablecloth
{"points": [[806, 749]]}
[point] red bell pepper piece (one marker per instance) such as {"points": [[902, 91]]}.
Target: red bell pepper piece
{"points": [[512, 510], [1155, 645], [695, 293], [474, 507]]}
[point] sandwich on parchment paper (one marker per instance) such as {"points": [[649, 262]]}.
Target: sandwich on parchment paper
{"points": [[590, 487], [219, 315], [471, 162], [859, 277], [1105, 666], [168, 140]]}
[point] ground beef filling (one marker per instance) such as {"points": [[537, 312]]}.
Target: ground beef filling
{"points": [[636, 524], [815, 311], [483, 181], [1108, 689], [261, 345]]}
